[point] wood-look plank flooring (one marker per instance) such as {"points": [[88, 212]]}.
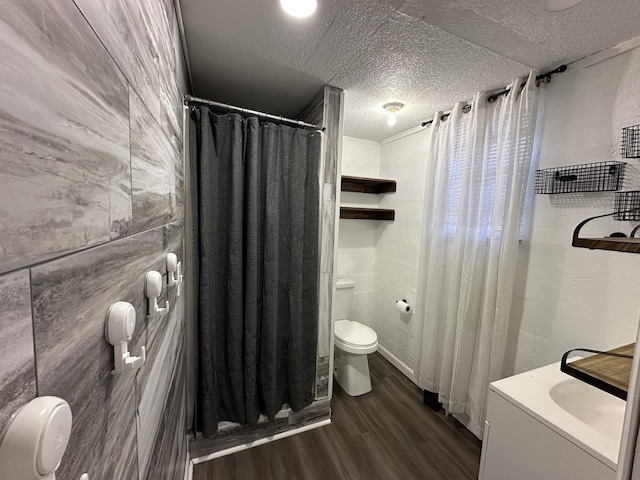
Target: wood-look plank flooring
{"points": [[386, 434]]}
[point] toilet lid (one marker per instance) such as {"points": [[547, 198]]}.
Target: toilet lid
{"points": [[355, 334]]}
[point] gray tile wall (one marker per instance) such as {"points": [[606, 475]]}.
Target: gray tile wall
{"points": [[168, 455], [65, 170], [17, 362], [91, 175]]}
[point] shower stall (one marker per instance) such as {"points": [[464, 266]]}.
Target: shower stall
{"points": [[260, 233]]}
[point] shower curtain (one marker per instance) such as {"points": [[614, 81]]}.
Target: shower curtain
{"points": [[255, 210], [478, 183]]}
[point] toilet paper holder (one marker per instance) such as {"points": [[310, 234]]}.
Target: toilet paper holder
{"points": [[403, 306]]}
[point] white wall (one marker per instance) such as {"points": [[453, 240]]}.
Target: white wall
{"points": [[357, 238], [569, 297], [398, 250], [565, 297], [382, 256]]}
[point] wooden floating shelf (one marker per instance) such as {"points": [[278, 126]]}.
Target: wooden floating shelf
{"points": [[355, 213], [617, 244], [607, 373], [367, 185], [629, 244]]}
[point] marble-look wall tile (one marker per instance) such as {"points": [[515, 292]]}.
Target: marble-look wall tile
{"points": [[170, 450], [172, 86], [327, 227], [154, 380], [64, 131], [332, 120], [165, 347], [322, 378], [183, 88], [66, 178], [161, 21], [143, 39], [325, 298], [333, 113], [125, 31], [17, 363], [173, 240], [173, 236], [71, 297], [156, 171]]}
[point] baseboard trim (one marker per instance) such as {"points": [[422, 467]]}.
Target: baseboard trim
{"points": [[261, 441], [399, 364]]}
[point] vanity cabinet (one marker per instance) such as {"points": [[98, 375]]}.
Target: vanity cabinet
{"points": [[543, 424]]}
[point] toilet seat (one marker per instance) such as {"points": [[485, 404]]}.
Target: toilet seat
{"points": [[354, 337]]}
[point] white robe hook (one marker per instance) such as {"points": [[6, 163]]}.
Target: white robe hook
{"points": [[153, 289], [174, 272]]}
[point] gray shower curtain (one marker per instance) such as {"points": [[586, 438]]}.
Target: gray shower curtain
{"points": [[255, 210]]}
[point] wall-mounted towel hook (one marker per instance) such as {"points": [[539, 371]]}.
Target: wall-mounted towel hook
{"points": [[35, 440], [174, 271], [153, 289], [121, 323]]}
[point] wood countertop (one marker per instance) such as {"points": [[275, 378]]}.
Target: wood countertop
{"points": [[607, 373]]}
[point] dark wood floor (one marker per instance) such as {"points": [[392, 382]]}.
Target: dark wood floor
{"points": [[386, 434]]}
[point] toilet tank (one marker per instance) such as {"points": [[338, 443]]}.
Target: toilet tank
{"points": [[344, 297]]}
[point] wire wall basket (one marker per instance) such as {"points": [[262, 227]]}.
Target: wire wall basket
{"points": [[589, 177], [627, 205], [631, 142]]}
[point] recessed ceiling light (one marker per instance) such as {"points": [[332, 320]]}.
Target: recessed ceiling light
{"points": [[299, 8], [554, 6]]}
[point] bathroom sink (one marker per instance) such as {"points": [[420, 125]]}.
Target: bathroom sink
{"points": [[601, 410]]}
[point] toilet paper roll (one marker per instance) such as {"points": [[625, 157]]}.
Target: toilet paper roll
{"points": [[403, 306]]}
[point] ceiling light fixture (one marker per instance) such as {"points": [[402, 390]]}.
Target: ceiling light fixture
{"points": [[392, 108], [554, 6], [299, 8]]}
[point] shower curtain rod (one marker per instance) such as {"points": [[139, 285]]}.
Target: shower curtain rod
{"points": [[189, 99], [543, 77]]}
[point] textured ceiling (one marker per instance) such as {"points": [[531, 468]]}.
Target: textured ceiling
{"points": [[427, 54]]}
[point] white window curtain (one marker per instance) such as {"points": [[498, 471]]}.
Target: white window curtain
{"points": [[478, 178]]}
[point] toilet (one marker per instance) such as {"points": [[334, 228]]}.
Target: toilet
{"points": [[353, 341]]}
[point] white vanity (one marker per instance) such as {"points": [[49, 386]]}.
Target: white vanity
{"points": [[546, 425]]}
